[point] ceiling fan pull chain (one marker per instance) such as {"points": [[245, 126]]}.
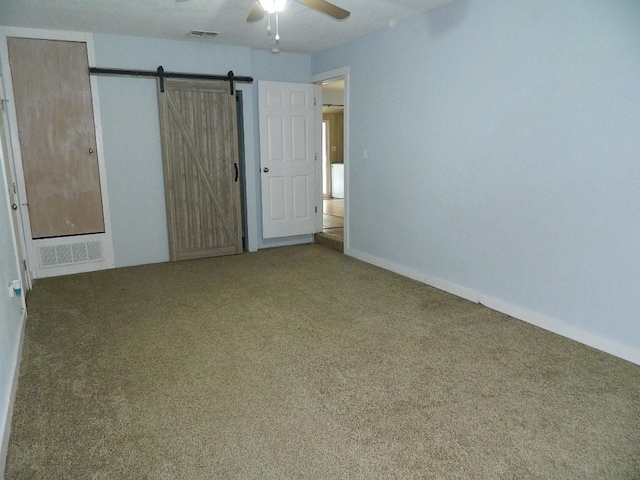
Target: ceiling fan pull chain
{"points": [[261, 8]]}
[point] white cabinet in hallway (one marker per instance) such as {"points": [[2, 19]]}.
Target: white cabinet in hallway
{"points": [[337, 180]]}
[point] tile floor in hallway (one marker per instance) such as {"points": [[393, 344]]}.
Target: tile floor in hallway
{"points": [[333, 217]]}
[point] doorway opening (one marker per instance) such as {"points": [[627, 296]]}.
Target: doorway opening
{"points": [[333, 159]]}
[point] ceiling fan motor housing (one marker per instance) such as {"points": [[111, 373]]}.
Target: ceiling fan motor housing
{"points": [[273, 6]]}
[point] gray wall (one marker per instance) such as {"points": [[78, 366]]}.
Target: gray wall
{"points": [[503, 162]]}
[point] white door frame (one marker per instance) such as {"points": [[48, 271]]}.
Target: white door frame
{"points": [[320, 78], [106, 239], [8, 176]]}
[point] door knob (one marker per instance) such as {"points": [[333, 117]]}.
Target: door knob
{"points": [[91, 150], [14, 206], [265, 169]]}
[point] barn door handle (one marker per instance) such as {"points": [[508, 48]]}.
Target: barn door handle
{"points": [[237, 173]]}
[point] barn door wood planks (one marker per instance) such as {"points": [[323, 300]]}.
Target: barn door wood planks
{"points": [[201, 170]]}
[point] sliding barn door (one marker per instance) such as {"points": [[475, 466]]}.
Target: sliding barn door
{"points": [[201, 172], [57, 136]]}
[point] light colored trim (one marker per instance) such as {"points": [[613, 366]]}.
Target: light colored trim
{"points": [[344, 73], [286, 241], [107, 238], [14, 141], [45, 34], [331, 75], [551, 324], [108, 254], [9, 176], [317, 137], [8, 414]]}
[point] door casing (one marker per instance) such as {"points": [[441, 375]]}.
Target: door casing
{"points": [[336, 74]]}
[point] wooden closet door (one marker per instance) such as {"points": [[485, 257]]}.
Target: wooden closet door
{"points": [[200, 159], [57, 136]]}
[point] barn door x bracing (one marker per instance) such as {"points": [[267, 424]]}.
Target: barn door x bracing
{"points": [[200, 156]]}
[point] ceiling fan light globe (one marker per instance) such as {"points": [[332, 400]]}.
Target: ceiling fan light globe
{"points": [[273, 6]]}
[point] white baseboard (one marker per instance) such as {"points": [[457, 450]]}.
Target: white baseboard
{"points": [[285, 241], [4, 447], [554, 325]]}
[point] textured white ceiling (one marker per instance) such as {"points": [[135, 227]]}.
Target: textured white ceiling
{"points": [[302, 30]]}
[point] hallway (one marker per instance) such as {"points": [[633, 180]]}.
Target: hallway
{"points": [[333, 217]]}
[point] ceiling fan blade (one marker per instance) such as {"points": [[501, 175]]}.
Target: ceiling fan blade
{"points": [[326, 7], [256, 14]]}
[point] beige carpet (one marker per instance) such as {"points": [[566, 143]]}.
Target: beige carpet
{"points": [[301, 363]]}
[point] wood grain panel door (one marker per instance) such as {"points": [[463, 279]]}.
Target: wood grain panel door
{"points": [[57, 136], [198, 120]]}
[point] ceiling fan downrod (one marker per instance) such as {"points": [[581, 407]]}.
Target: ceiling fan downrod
{"points": [[275, 7]]}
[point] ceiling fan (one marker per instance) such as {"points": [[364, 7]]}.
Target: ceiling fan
{"points": [[274, 7], [260, 7]]}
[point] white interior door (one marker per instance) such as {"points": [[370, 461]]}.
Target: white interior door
{"points": [[12, 187], [290, 148]]}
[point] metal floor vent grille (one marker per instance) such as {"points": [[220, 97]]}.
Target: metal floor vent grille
{"points": [[70, 253]]}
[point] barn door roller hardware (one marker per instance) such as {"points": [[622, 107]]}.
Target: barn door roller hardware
{"points": [[161, 74]]}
